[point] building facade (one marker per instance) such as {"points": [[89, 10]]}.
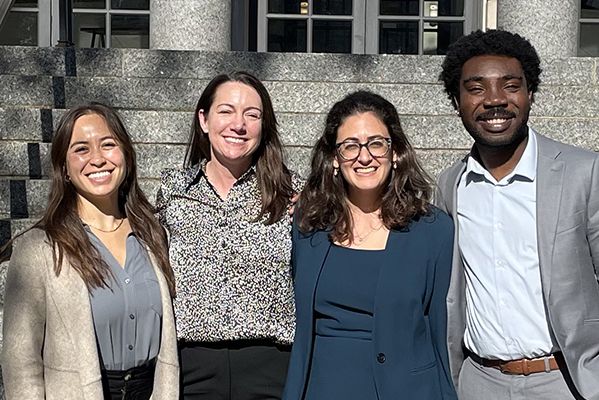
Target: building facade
{"points": [[151, 60]]}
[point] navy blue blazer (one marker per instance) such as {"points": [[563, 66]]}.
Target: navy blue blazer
{"points": [[409, 351]]}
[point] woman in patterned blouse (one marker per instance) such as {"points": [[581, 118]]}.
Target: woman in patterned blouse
{"points": [[227, 214]]}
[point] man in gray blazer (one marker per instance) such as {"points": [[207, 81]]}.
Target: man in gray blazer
{"points": [[523, 305]]}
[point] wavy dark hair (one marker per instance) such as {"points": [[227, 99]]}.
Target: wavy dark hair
{"points": [[61, 221], [323, 202], [274, 179], [491, 42]]}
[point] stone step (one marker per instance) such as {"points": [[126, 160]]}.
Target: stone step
{"points": [[27, 198], [172, 94], [35, 125], [293, 67]]}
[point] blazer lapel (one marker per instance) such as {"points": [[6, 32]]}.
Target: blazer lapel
{"points": [[456, 295], [550, 176], [317, 246], [450, 192], [168, 343], [71, 298]]}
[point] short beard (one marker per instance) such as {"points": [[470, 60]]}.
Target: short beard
{"points": [[519, 135]]}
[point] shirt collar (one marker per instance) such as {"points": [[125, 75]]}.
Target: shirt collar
{"points": [[202, 169], [196, 172], [526, 167]]}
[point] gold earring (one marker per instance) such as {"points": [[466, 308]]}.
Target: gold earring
{"points": [[394, 164], [67, 178], [335, 171]]}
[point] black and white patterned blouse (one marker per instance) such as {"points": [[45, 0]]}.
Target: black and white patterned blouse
{"points": [[232, 272]]}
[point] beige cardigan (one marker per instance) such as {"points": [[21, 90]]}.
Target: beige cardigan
{"points": [[50, 349]]}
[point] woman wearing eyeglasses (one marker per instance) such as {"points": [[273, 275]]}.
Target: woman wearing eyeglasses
{"points": [[371, 259]]}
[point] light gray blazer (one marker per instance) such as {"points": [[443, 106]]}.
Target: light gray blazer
{"points": [[568, 243], [50, 349]]}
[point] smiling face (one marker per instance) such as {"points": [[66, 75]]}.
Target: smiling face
{"points": [[95, 163], [365, 174], [233, 124], [494, 101]]}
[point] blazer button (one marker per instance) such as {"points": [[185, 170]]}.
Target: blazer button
{"points": [[381, 358]]}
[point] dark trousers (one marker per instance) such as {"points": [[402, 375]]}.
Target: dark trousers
{"points": [[134, 384], [238, 370]]}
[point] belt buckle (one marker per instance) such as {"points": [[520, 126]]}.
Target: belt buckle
{"points": [[503, 369]]}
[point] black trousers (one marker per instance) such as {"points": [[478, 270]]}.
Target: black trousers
{"points": [[134, 384], [237, 370]]}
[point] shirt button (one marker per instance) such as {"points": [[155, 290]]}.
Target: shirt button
{"points": [[381, 358], [510, 341], [502, 303], [127, 281], [131, 316], [130, 347], [498, 263]]}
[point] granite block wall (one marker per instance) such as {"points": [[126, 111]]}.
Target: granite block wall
{"points": [[156, 92]]}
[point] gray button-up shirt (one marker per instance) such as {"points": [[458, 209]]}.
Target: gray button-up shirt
{"points": [[128, 315]]}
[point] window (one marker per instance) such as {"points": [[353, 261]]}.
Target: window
{"points": [[363, 26], [588, 43], [96, 23], [319, 26], [27, 24], [111, 23]]}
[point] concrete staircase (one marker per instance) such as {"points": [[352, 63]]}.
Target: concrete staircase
{"points": [[156, 92]]}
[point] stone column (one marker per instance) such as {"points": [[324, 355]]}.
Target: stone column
{"points": [[190, 24], [550, 25]]}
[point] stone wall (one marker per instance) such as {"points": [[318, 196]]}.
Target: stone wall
{"points": [[156, 92]]}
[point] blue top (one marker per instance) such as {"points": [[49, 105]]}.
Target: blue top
{"points": [[345, 292], [408, 351], [128, 315], [344, 309]]}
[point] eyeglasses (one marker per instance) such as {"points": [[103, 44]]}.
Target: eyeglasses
{"points": [[350, 150]]}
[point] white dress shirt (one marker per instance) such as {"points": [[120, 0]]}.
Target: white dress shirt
{"points": [[505, 313]]}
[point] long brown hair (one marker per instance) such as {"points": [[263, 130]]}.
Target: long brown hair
{"points": [[274, 179], [323, 202], [61, 221]]}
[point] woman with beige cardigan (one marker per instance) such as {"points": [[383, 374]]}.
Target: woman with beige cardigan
{"points": [[87, 312]]}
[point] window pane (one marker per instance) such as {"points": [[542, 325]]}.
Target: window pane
{"points": [[439, 35], [449, 8], [332, 37], [287, 35], [25, 3], [589, 8], [130, 31], [332, 7], [101, 4], [284, 6], [399, 7], [589, 40], [399, 37], [130, 4], [89, 30], [19, 29]]}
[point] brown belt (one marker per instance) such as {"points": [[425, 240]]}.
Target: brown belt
{"points": [[523, 366]]}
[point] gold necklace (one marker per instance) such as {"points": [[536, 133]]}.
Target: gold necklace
{"points": [[103, 230], [361, 239]]}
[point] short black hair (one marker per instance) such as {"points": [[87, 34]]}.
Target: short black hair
{"points": [[491, 42]]}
